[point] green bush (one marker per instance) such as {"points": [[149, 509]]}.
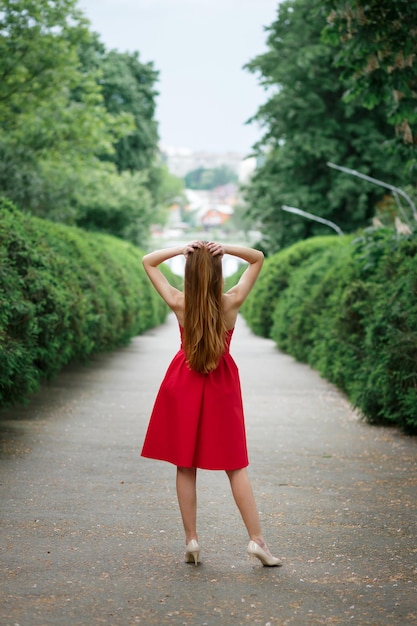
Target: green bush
{"points": [[64, 294], [275, 276], [303, 318], [351, 313]]}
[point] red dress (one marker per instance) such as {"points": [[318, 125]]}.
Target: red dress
{"points": [[197, 419]]}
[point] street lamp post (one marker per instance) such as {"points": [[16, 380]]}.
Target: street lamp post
{"points": [[311, 216], [395, 190]]}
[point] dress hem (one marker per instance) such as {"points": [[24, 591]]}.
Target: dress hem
{"points": [[203, 467]]}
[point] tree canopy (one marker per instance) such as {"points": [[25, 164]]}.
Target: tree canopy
{"points": [[78, 135], [378, 56], [128, 88], [47, 102], [306, 124]]}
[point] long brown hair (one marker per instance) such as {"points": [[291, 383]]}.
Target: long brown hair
{"points": [[204, 325]]}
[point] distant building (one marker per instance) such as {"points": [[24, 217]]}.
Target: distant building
{"points": [[205, 208], [216, 216], [211, 208]]}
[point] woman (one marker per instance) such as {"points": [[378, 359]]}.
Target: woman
{"points": [[197, 420]]}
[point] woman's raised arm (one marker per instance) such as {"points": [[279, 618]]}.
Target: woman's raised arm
{"points": [[151, 261], [255, 258]]}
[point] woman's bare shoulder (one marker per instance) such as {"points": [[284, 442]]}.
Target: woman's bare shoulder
{"points": [[230, 310], [178, 308]]}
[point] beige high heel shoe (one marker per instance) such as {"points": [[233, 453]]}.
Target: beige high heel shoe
{"points": [[192, 552], [266, 559]]}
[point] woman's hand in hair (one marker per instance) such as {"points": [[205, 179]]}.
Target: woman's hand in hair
{"points": [[216, 249], [190, 247]]}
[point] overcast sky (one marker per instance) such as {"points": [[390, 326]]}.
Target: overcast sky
{"points": [[199, 48]]}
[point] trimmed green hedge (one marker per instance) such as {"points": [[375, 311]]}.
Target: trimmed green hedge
{"points": [[275, 277], [64, 294], [351, 313]]}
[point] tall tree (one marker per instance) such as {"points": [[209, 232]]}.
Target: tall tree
{"points": [[306, 125], [53, 121], [128, 86], [78, 135], [378, 56], [47, 103]]}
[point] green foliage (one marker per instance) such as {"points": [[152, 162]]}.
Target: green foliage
{"points": [[166, 190], [47, 103], [128, 87], [206, 178], [350, 312], [299, 321], [307, 124], [274, 279], [78, 138], [378, 56], [116, 204], [36, 53], [64, 294]]}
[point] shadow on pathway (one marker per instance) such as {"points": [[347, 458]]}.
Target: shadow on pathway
{"points": [[90, 532]]}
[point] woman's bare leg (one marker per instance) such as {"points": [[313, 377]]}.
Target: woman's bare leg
{"points": [[244, 498], [187, 499]]}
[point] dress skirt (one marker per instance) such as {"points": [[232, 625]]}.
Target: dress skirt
{"points": [[197, 419]]}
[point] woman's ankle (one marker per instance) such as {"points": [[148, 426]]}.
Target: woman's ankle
{"points": [[190, 537], [258, 539]]}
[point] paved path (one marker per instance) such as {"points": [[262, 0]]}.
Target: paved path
{"points": [[90, 532]]}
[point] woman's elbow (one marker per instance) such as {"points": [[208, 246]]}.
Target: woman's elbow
{"points": [[260, 257]]}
